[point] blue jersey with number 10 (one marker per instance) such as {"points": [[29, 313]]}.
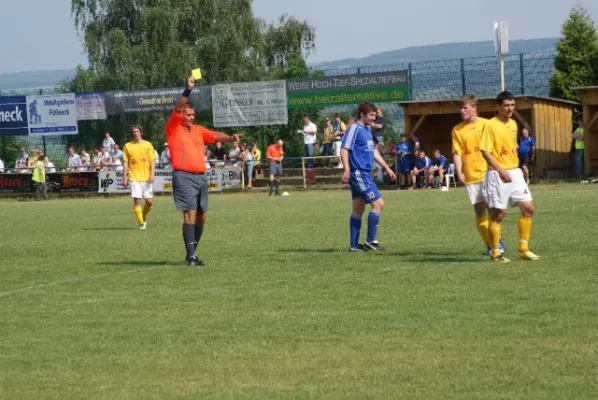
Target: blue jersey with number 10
{"points": [[358, 140]]}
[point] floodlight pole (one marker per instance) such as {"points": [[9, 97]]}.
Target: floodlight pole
{"points": [[502, 72]]}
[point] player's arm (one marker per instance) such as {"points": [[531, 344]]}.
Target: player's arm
{"points": [[213, 137], [533, 150], [125, 173], [378, 158], [152, 165], [457, 159], [345, 161]]}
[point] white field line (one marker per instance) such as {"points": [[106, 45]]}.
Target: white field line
{"points": [[79, 279]]}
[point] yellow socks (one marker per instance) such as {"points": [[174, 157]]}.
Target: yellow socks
{"points": [[495, 234], [525, 231], [482, 225], [138, 214]]}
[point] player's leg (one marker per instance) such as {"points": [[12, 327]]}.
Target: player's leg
{"points": [[278, 173], [440, 177], [148, 196], [272, 172], [498, 199], [413, 175], [355, 221], [482, 223], [137, 194], [371, 195], [185, 188], [522, 197]]}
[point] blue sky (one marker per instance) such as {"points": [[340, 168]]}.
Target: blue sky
{"points": [[344, 28]]}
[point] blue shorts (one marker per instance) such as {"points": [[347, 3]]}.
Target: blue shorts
{"points": [[404, 165], [362, 185]]}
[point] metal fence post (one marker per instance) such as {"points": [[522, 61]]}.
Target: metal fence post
{"points": [[463, 87], [410, 81], [522, 73]]}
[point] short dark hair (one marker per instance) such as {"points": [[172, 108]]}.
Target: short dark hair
{"points": [[135, 126], [41, 158], [190, 105], [365, 108], [306, 116], [502, 96], [336, 115]]}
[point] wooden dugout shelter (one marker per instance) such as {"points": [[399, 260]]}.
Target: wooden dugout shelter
{"points": [[547, 119], [589, 102]]}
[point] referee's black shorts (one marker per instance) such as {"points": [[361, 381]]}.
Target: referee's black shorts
{"points": [[190, 190]]}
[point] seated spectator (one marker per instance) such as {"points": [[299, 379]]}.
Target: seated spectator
{"points": [[165, 157], [439, 167], [74, 160], [116, 151], [422, 165], [22, 162], [50, 168], [220, 154], [116, 164], [85, 159], [98, 158], [234, 153], [208, 157], [404, 152]]}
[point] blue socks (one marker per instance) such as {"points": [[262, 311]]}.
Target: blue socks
{"points": [[373, 220], [355, 225]]}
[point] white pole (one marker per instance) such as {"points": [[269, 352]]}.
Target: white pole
{"points": [[502, 72]]}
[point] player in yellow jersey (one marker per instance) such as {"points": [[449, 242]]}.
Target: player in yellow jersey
{"points": [[139, 157], [505, 183], [470, 164]]}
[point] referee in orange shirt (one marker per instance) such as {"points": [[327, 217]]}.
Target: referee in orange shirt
{"points": [[186, 142]]}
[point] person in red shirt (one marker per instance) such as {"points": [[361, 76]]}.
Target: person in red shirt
{"points": [[186, 142], [275, 155]]}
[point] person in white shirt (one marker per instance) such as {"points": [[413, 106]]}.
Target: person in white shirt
{"points": [[309, 139], [165, 157], [1, 165], [116, 164], [85, 158], [50, 168], [74, 160], [108, 142]]}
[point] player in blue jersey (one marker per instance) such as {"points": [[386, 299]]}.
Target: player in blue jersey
{"points": [[404, 152], [358, 154], [439, 167]]}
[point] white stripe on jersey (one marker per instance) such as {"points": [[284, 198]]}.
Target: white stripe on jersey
{"points": [[350, 136]]}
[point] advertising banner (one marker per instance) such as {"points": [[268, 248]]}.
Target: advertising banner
{"points": [[250, 104], [348, 89], [220, 179], [148, 100], [52, 114], [90, 106]]}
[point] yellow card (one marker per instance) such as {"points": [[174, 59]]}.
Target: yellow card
{"points": [[196, 73]]}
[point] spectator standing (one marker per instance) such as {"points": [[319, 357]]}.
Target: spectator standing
{"points": [[22, 162], [526, 151], [339, 129], [165, 156], [108, 142], [378, 126], [248, 164], [404, 152], [309, 139], [327, 141], [275, 155], [74, 160], [579, 147], [39, 178], [1, 165]]}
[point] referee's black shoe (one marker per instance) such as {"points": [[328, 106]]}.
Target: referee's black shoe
{"points": [[194, 261]]}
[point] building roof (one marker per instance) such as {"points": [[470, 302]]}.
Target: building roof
{"points": [[584, 87], [521, 96]]}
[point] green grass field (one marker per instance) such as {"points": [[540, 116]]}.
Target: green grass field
{"points": [[91, 307]]}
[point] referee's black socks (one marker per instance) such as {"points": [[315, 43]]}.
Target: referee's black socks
{"points": [[198, 232], [189, 238]]}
